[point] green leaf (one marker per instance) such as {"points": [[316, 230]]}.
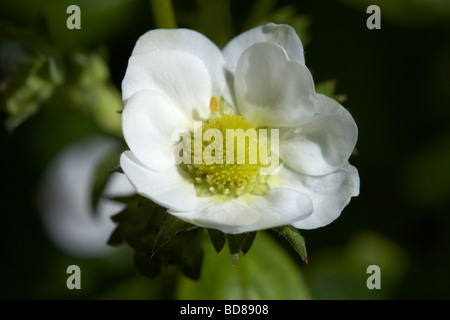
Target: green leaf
{"points": [[266, 272], [296, 240]]}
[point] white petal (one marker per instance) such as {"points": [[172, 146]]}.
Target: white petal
{"points": [[118, 186], [182, 77], [249, 213], [324, 144], [65, 199], [188, 41], [329, 193], [272, 90], [171, 188], [148, 122], [282, 35]]}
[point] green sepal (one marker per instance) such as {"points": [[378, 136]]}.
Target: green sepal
{"points": [[235, 242], [171, 227], [239, 242], [191, 258], [117, 169], [115, 238], [293, 236], [267, 273], [135, 200], [248, 241], [146, 266], [144, 226], [217, 238]]}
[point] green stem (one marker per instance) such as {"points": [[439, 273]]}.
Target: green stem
{"points": [[163, 14]]}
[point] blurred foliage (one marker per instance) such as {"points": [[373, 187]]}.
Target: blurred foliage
{"points": [[266, 272], [50, 17], [33, 72], [427, 175], [30, 72], [413, 13], [211, 18], [328, 88], [341, 272], [59, 85]]}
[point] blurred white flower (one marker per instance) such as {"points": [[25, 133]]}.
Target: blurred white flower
{"points": [[66, 204], [259, 80]]}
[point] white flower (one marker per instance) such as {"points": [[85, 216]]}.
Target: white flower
{"points": [[173, 79], [65, 199]]}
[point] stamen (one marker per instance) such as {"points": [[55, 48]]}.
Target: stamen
{"points": [[230, 177], [214, 104]]}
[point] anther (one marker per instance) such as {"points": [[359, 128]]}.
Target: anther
{"points": [[214, 104]]}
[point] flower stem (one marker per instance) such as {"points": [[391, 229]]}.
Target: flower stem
{"points": [[163, 14]]}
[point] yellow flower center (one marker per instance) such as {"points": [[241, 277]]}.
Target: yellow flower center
{"points": [[228, 162]]}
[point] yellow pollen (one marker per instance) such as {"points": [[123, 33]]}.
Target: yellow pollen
{"points": [[214, 104], [230, 177], [228, 162]]}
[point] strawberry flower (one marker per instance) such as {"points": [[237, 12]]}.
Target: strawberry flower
{"points": [[178, 82]]}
